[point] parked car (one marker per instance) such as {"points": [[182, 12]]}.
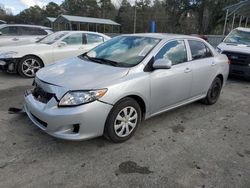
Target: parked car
{"points": [[28, 59], [237, 48], [113, 87], [17, 34], [2, 22]]}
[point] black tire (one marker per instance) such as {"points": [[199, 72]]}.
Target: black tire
{"points": [[109, 130], [213, 93], [21, 67]]}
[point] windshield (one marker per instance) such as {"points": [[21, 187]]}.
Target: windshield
{"points": [[50, 39], [124, 51], [238, 37]]}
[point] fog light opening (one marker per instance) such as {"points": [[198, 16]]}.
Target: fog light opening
{"points": [[11, 67], [76, 128], [3, 63]]}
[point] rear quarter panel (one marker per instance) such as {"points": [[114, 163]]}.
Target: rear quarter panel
{"points": [[221, 61]]}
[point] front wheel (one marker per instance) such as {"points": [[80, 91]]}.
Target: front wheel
{"points": [[28, 66], [123, 120], [213, 93]]}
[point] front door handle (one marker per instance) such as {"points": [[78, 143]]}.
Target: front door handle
{"points": [[213, 64], [15, 39], [187, 70]]}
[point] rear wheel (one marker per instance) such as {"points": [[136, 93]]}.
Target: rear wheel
{"points": [[28, 66], [213, 93], [123, 120]]}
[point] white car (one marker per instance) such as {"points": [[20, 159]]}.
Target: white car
{"points": [[19, 34], [28, 59], [237, 48]]}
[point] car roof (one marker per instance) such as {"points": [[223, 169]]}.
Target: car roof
{"points": [[26, 25], [163, 36], [243, 29], [88, 32]]}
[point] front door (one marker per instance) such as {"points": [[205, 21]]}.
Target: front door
{"points": [[171, 86], [70, 46]]}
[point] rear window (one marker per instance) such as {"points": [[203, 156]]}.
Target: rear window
{"points": [[32, 31], [199, 50], [93, 38]]}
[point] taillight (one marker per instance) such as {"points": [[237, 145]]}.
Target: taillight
{"points": [[229, 61]]}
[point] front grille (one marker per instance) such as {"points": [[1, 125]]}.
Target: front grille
{"points": [[236, 58], [41, 95], [39, 121]]}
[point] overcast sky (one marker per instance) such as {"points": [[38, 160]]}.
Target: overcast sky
{"points": [[18, 5]]}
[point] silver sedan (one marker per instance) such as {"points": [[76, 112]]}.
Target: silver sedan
{"points": [[112, 88]]}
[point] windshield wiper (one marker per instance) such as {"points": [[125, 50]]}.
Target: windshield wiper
{"points": [[232, 44], [106, 61], [100, 60]]}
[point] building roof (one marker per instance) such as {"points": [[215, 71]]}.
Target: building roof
{"points": [[242, 8], [87, 20], [51, 19], [25, 25]]}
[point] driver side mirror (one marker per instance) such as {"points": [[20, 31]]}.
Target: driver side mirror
{"points": [[162, 64], [61, 44]]}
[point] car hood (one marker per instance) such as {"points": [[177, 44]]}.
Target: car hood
{"points": [[234, 48], [79, 74]]}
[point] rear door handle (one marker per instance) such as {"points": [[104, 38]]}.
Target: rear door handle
{"points": [[213, 64], [15, 39], [187, 70]]}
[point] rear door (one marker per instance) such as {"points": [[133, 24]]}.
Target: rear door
{"points": [[30, 34], [203, 67]]}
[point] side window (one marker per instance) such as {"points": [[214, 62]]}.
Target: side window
{"points": [[10, 30], [93, 38], [199, 50], [32, 31], [174, 51], [74, 39], [25, 30]]}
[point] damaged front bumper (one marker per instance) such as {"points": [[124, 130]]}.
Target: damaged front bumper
{"points": [[9, 64], [70, 123]]}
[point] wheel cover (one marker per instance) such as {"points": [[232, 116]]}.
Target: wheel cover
{"points": [[30, 67], [125, 121]]}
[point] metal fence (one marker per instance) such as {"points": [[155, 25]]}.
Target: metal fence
{"points": [[215, 40]]}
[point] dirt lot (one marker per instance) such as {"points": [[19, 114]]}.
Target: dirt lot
{"points": [[193, 146]]}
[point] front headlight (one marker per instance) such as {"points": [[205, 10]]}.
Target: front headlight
{"points": [[10, 54], [218, 50], [76, 98]]}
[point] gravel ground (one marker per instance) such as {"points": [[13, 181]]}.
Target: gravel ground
{"points": [[193, 146]]}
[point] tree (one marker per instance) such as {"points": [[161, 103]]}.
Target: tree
{"points": [[210, 14], [108, 9], [144, 15], [160, 16], [81, 7], [53, 10], [32, 15], [124, 17], [174, 16]]}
